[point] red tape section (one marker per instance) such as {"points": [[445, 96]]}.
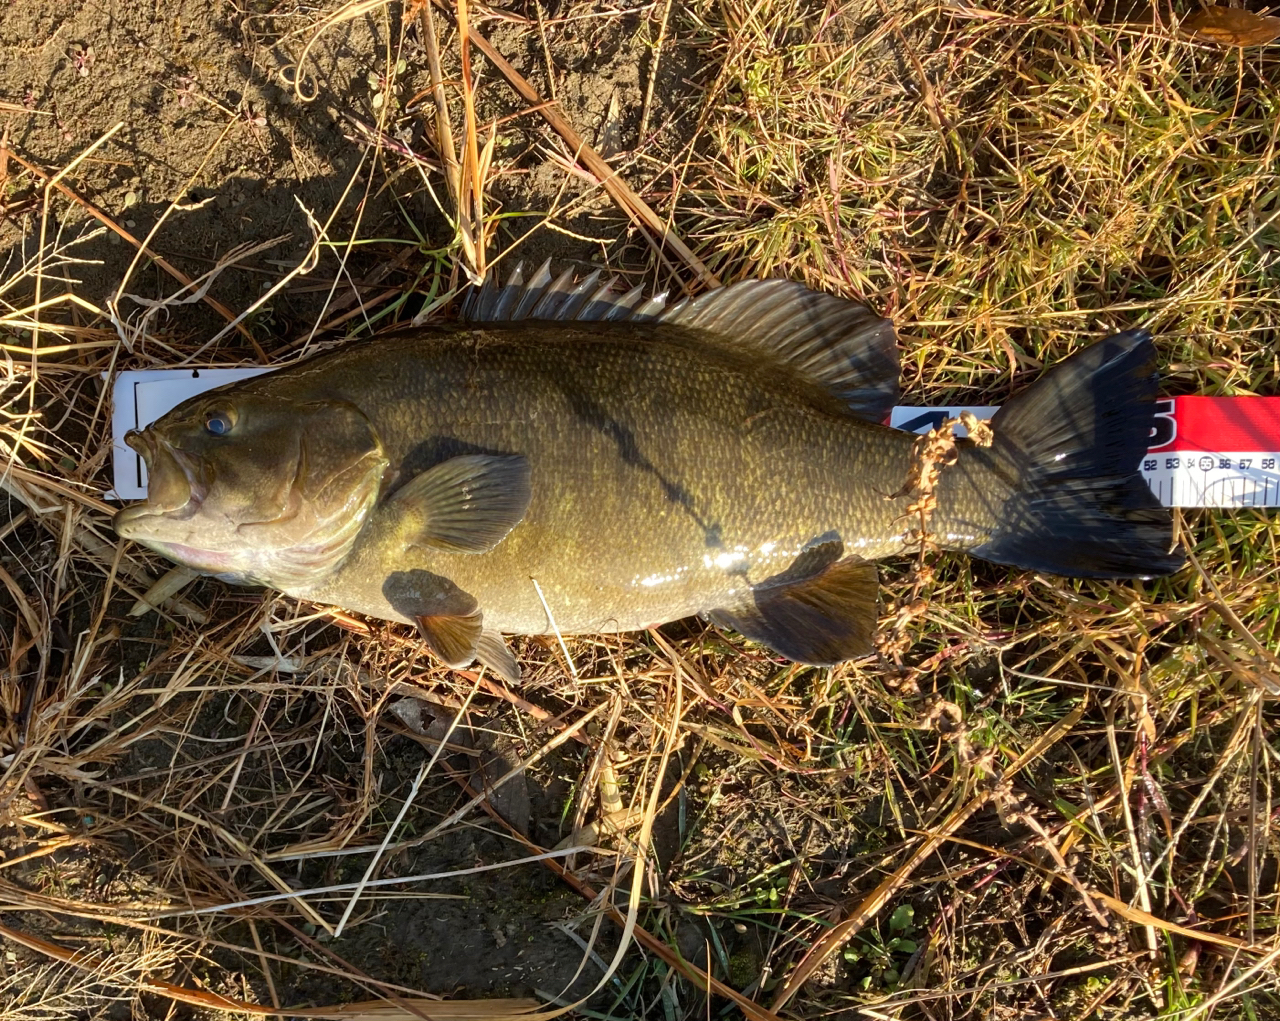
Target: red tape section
{"points": [[1211, 424]]}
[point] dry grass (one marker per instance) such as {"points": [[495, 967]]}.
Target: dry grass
{"points": [[1045, 799]]}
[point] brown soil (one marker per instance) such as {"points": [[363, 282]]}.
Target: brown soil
{"points": [[209, 120]]}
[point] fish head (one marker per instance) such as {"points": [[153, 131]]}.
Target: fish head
{"points": [[255, 487]]}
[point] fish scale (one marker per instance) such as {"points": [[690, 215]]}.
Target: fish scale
{"points": [[667, 476]]}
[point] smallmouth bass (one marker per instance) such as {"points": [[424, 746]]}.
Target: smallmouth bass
{"points": [[568, 459]]}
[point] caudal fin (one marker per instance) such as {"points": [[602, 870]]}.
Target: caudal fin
{"points": [[1074, 441]]}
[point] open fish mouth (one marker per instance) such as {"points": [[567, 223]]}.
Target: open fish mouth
{"points": [[175, 488]]}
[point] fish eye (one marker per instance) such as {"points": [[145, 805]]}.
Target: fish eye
{"points": [[218, 423]]}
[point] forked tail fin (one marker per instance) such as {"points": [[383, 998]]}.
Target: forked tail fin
{"points": [[1073, 442]]}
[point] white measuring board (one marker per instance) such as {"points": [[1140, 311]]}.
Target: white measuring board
{"points": [[1205, 451]]}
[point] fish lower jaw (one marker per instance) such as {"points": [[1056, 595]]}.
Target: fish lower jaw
{"points": [[131, 521], [221, 565], [227, 566], [137, 520], [288, 570]]}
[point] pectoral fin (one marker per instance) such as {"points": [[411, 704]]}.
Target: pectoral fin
{"points": [[823, 619], [453, 639], [467, 504]]}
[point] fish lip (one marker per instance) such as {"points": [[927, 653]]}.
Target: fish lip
{"points": [[125, 518], [141, 441], [151, 447]]}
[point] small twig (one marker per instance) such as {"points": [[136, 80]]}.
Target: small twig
{"points": [[931, 454], [443, 1010], [1125, 778], [425, 877], [264, 964], [546, 50], [7, 107], [647, 107], [1014, 809], [376, 137], [347, 12], [927, 94], [444, 131], [701, 979], [201, 287], [159, 260], [838, 935], [516, 770], [632, 204], [472, 223], [554, 627], [423, 771]]}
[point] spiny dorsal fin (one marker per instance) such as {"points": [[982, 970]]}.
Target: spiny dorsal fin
{"points": [[562, 299], [841, 345]]}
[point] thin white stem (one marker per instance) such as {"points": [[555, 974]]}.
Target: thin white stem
{"points": [[424, 877], [559, 637], [423, 770]]}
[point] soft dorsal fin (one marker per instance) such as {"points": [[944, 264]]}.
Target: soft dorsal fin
{"points": [[841, 345], [844, 346]]}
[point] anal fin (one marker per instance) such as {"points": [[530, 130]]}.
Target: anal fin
{"points": [[460, 640], [823, 619]]}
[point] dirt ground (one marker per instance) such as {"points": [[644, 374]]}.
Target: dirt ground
{"points": [[210, 122]]}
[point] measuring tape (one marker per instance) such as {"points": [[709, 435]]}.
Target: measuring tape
{"points": [[1215, 452], [1205, 451]]}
